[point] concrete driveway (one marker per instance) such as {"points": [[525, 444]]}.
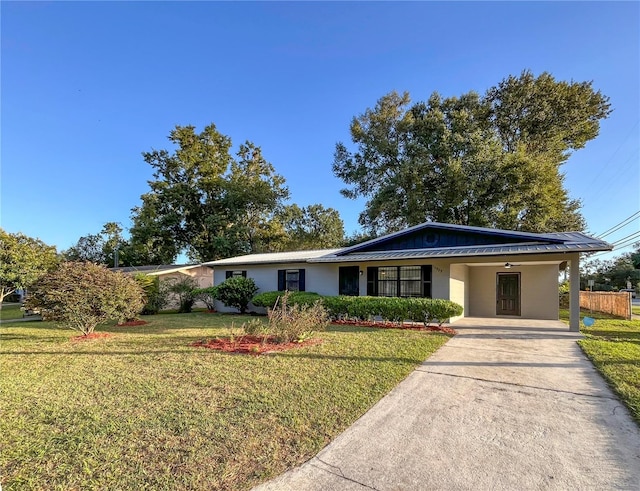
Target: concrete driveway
{"points": [[506, 404]]}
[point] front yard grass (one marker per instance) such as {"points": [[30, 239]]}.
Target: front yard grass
{"points": [[10, 312], [142, 409], [613, 346]]}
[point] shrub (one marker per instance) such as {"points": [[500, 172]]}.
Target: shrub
{"points": [[564, 294], [208, 296], [268, 299], [237, 292], [185, 290], [156, 294], [290, 323], [83, 295], [392, 308]]}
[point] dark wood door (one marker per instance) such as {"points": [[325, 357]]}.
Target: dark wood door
{"points": [[508, 294], [349, 280]]}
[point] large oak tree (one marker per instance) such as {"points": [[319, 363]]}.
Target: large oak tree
{"points": [[486, 160], [204, 200]]}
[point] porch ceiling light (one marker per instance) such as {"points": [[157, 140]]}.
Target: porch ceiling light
{"points": [[507, 265]]}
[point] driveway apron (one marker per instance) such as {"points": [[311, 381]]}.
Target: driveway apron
{"points": [[505, 404]]}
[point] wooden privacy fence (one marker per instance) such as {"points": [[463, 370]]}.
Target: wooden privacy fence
{"points": [[614, 303]]}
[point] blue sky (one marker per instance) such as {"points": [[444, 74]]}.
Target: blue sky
{"points": [[88, 86]]}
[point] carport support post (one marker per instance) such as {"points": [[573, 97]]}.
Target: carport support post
{"points": [[574, 294]]}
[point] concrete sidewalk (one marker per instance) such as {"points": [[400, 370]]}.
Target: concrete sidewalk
{"points": [[506, 404]]}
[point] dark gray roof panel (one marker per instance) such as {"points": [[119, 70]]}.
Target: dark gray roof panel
{"points": [[579, 243]]}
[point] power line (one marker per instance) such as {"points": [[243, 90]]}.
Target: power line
{"points": [[634, 235], [603, 168], [618, 226]]}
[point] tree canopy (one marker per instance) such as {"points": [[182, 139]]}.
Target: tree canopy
{"points": [[310, 227], [213, 204], [486, 160], [613, 274], [101, 248], [205, 200], [23, 260]]}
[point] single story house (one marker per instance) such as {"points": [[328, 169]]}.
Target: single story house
{"points": [[490, 272]]}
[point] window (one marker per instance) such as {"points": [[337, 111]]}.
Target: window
{"points": [[291, 279], [235, 274], [399, 281]]}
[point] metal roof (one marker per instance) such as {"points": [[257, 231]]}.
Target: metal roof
{"points": [[528, 236], [575, 242], [273, 257], [530, 243], [156, 269]]}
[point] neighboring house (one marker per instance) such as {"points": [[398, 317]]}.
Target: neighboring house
{"points": [[490, 272], [202, 274]]}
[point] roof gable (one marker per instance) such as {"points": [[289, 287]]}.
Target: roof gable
{"points": [[433, 235]]}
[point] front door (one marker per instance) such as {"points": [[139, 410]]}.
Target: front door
{"points": [[349, 280], [508, 294]]}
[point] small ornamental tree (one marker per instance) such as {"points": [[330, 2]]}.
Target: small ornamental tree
{"points": [[237, 292], [156, 294], [208, 296], [185, 289], [82, 295]]}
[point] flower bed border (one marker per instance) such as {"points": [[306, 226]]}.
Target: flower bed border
{"points": [[250, 345]]}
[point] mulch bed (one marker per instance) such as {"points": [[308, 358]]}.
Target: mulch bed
{"points": [[251, 345], [132, 323], [91, 336], [394, 325]]}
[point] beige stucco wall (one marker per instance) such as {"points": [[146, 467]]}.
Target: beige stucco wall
{"points": [[538, 290], [458, 287]]}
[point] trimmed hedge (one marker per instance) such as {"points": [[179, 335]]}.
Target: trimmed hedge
{"points": [[268, 299], [392, 309]]}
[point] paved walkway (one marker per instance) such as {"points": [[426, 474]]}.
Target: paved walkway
{"points": [[506, 404]]}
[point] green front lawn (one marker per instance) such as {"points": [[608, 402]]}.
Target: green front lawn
{"points": [[10, 312], [144, 410], [635, 309], [613, 345]]}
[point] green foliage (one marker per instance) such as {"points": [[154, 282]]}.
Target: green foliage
{"points": [[23, 260], [392, 309], [236, 292], [611, 275], [102, 248], [208, 296], [311, 227], [292, 323], [83, 295], [563, 294], [184, 289], [491, 160], [205, 200], [156, 294], [268, 299]]}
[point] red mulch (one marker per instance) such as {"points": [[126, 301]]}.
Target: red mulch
{"points": [[251, 345], [392, 325], [210, 311], [136, 322], [90, 336]]}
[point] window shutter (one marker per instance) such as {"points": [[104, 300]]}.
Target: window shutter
{"points": [[244, 274], [281, 279], [426, 281], [228, 274], [301, 284], [372, 282]]}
